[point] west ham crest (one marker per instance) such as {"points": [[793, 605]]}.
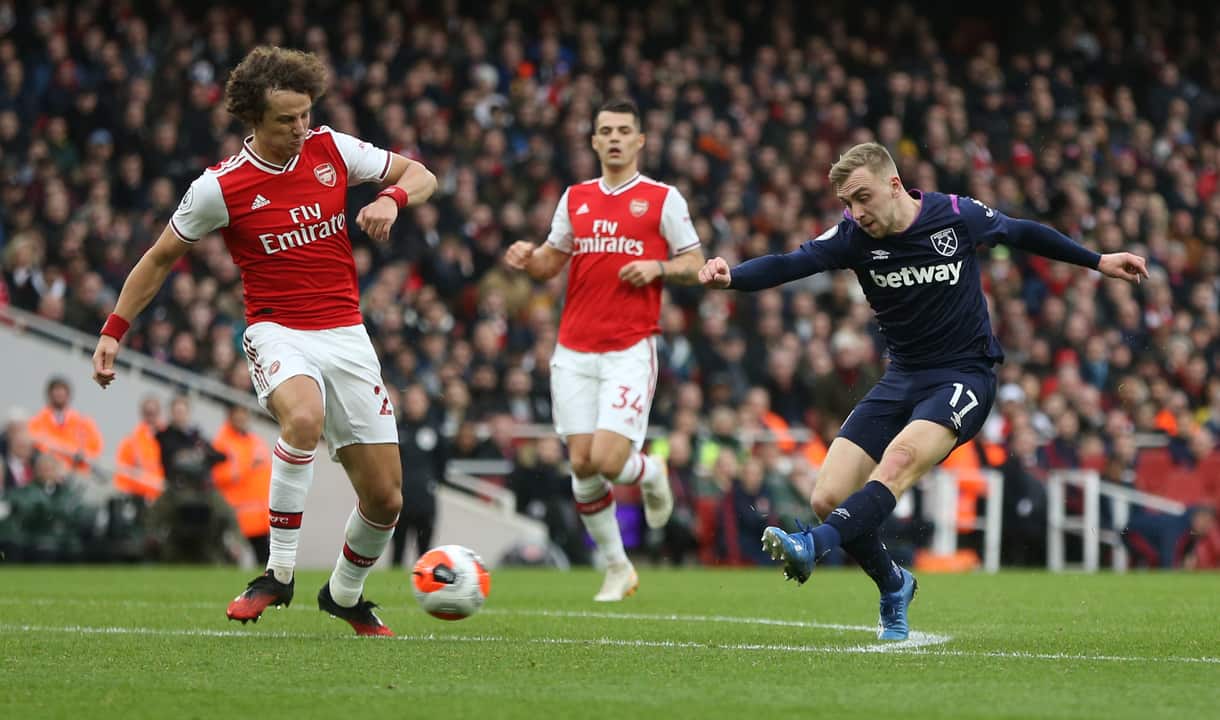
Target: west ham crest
{"points": [[944, 242], [325, 173], [638, 207]]}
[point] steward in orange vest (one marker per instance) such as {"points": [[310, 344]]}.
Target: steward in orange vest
{"points": [[244, 477], [69, 435]]}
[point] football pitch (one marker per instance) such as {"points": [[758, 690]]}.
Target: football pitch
{"points": [[154, 643]]}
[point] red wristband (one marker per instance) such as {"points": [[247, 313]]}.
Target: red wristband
{"points": [[395, 193], [116, 327]]}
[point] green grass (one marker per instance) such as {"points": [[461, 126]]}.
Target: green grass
{"points": [[154, 643]]}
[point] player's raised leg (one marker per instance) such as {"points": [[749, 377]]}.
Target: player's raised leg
{"points": [[376, 475], [846, 468], [297, 405], [867, 550]]}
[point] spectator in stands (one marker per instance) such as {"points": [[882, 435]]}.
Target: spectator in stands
{"points": [[243, 478], [837, 390], [17, 453], [88, 304], [1203, 552], [543, 489], [191, 522], [748, 511], [711, 489], [48, 520], [678, 541], [1024, 501], [424, 458], [721, 437], [138, 468], [23, 273], [756, 419], [64, 432], [789, 482], [181, 435]]}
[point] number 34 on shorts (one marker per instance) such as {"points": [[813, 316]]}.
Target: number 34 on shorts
{"points": [[634, 404]]}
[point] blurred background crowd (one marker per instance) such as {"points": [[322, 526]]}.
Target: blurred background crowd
{"points": [[1100, 118]]}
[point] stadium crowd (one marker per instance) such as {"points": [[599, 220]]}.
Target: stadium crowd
{"points": [[1101, 119]]}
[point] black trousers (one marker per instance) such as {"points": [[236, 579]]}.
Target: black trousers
{"points": [[422, 525], [262, 547]]}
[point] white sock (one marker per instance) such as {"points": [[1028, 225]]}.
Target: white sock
{"points": [[291, 476], [595, 503], [639, 467], [365, 540]]}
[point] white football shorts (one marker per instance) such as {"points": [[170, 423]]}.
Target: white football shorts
{"points": [[343, 362], [604, 391]]}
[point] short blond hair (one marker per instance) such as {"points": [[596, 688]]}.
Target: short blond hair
{"points": [[871, 155]]}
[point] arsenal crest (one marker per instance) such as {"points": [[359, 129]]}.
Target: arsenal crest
{"points": [[638, 207], [944, 242], [325, 173]]}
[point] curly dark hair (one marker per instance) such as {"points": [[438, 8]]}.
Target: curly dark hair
{"points": [[268, 68]]}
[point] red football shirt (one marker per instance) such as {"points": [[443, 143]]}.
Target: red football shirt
{"points": [[603, 229], [286, 227]]}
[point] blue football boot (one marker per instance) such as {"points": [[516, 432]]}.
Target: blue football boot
{"points": [[797, 550], [893, 622]]}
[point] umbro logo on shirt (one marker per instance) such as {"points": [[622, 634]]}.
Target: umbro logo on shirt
{"points": [[259, 202], [583, 209], [880, 254]]}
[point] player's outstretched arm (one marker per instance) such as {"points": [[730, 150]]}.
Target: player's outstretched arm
{"points": [[770, 271], [680, 270], [409, 183], [542, 262], [1050, 243], [141, 285]]}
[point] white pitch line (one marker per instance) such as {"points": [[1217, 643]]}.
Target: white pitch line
{"points": [[917, 638], [612, 642]]}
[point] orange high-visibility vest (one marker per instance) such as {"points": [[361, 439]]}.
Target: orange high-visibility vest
{"points": [[964, 461], [139, 470], [244, 478], [76, 435], [815, 450], [779, 428]]}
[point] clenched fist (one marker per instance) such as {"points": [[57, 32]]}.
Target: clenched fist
{"points": [[376, 218], [715, 274], [519, 253]]}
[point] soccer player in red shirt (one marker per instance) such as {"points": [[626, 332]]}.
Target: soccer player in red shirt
{"points": [[624, 235], [280, 205]]}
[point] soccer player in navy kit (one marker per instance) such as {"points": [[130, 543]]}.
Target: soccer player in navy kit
{"points": [[914, 254]]}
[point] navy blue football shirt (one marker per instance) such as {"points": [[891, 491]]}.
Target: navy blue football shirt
{"points": [[923, 283]]}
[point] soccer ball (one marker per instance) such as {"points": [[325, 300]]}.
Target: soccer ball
{"points": [[450, 582]]}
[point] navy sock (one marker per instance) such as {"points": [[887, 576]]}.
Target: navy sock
{"points": [[875, 560], [859, 515]]}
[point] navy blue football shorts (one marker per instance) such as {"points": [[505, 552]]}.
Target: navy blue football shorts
{"points": [[959, 398]]}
